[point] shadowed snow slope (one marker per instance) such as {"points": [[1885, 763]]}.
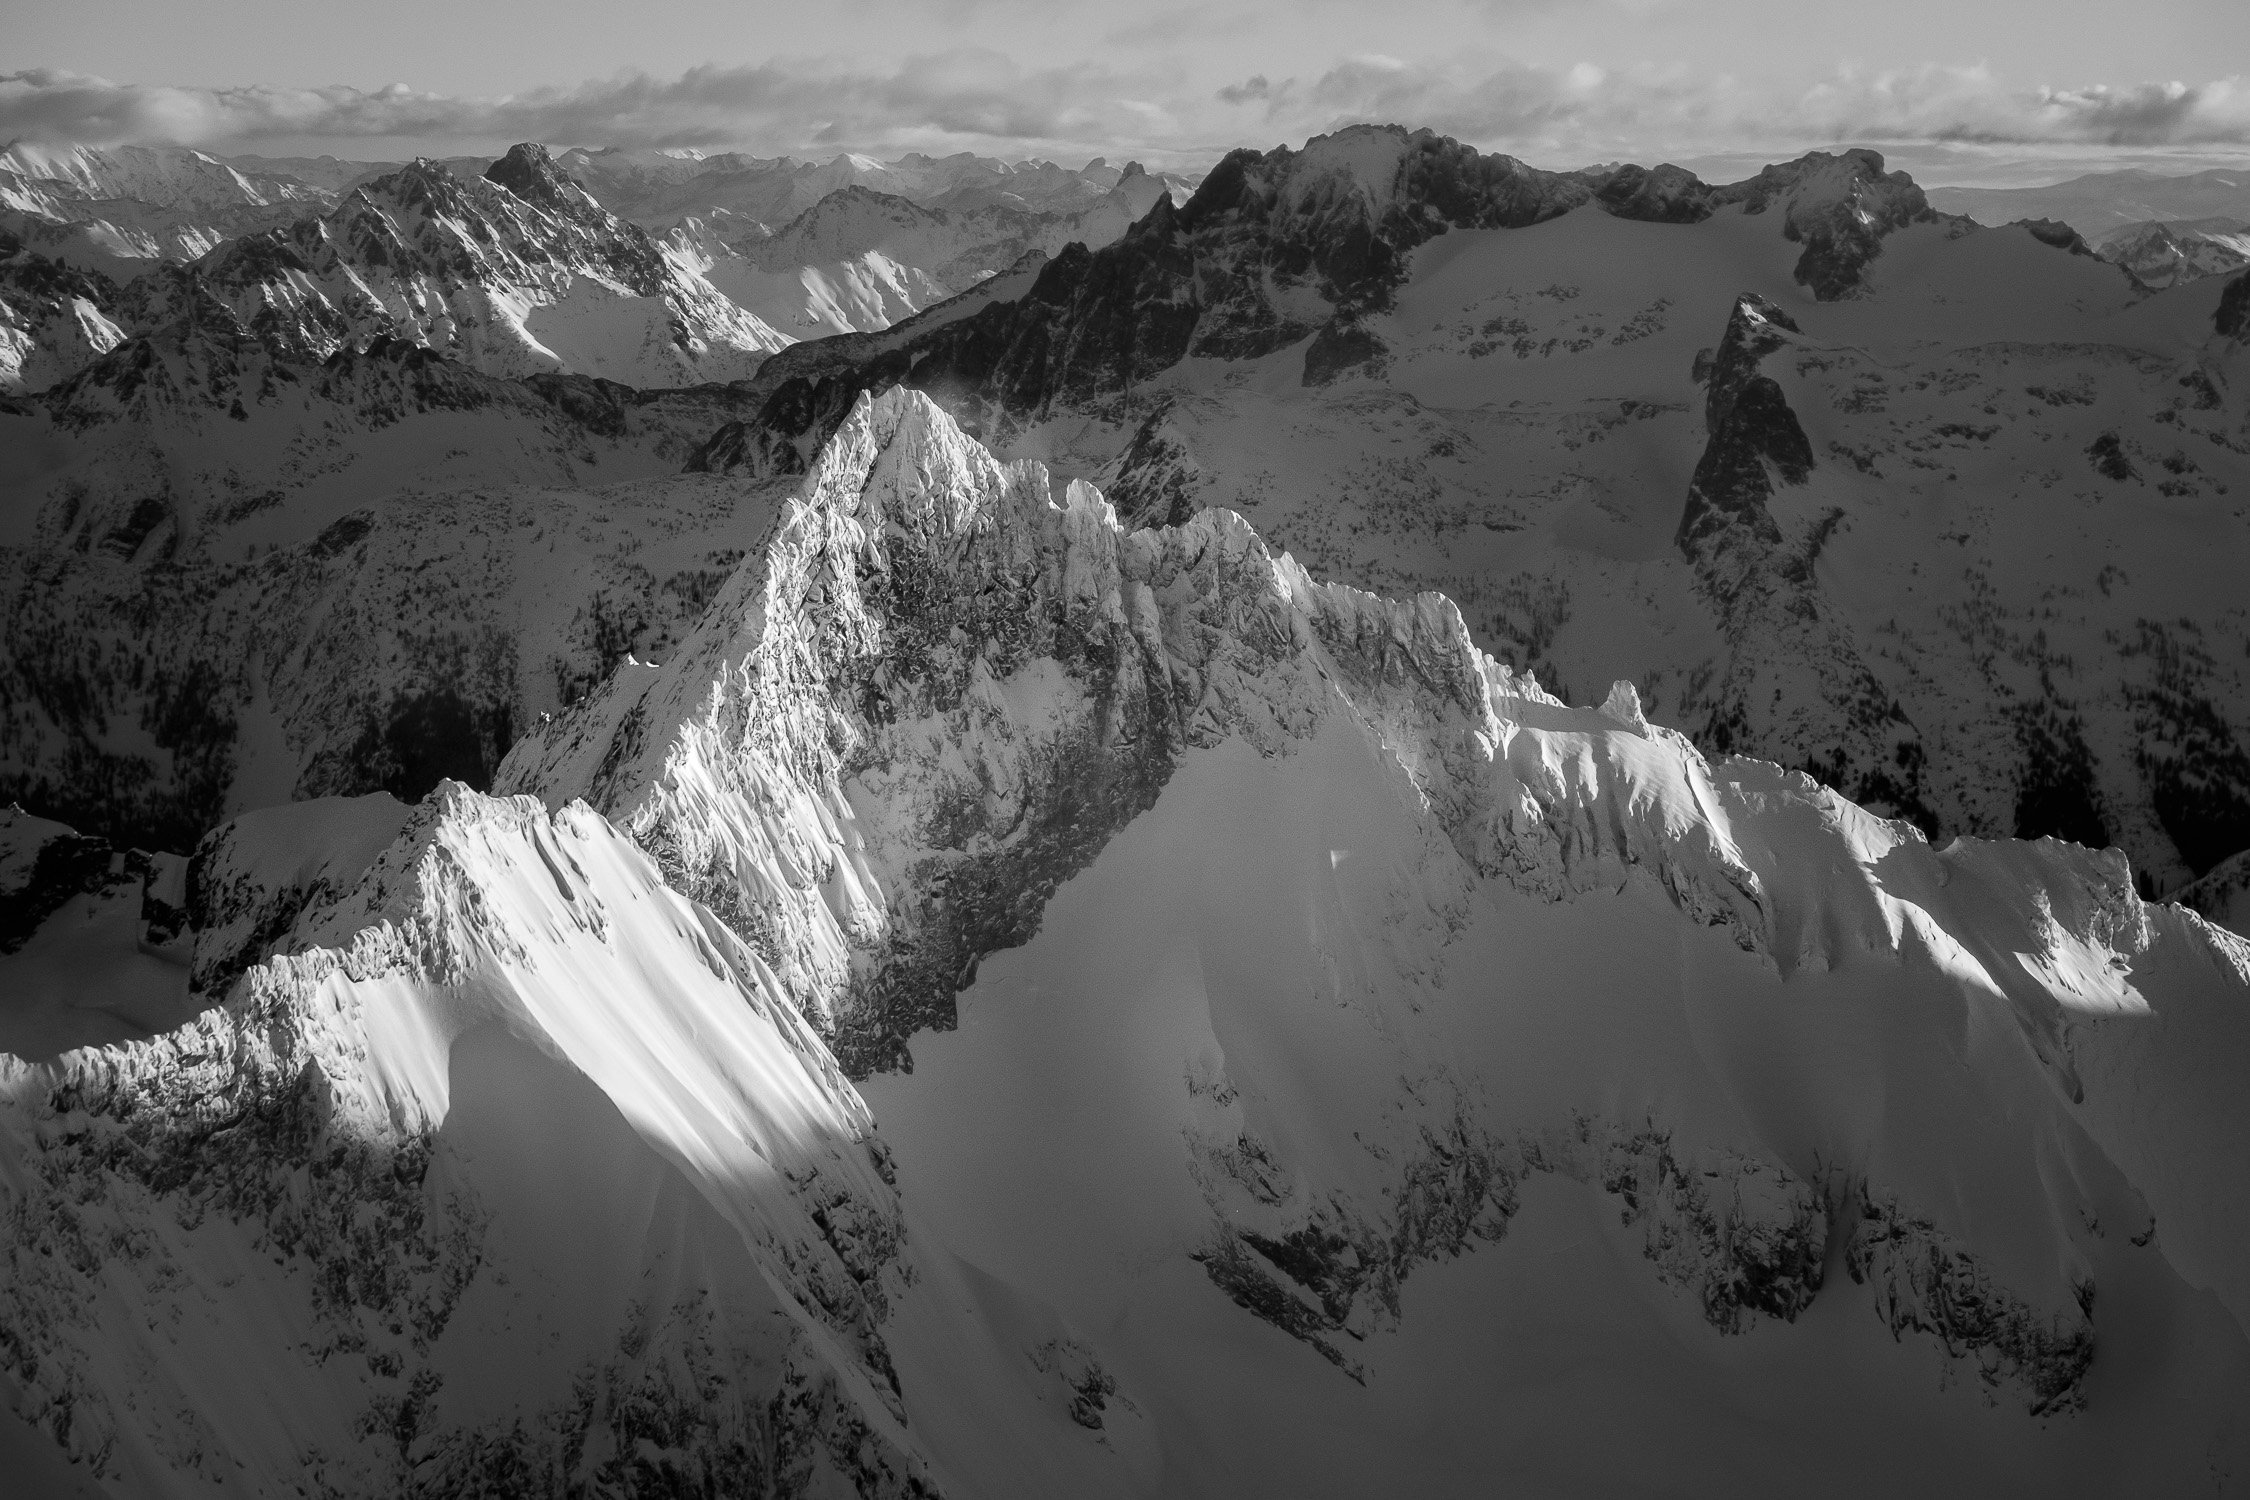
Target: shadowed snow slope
{"points": [[1295, 1053], [517, 1170]]}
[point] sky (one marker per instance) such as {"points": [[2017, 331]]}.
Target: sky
{"points": [[1965, 91]]}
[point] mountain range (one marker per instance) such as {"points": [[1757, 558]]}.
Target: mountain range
{"points": [[1401, 823], [2099, 203], [2161, 254]]}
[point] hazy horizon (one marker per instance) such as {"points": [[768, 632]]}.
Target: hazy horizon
{"points": [[1989, 95]]}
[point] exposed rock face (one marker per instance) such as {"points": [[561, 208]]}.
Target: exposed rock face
{"points": [[2056, 233], [1157, 479], [1924, 1283], [1840, 207], [2232, 318], [1751, 427], [1776, 622], [1286, 246]]}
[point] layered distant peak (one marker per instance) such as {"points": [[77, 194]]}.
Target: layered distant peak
{"points": [[163, 176], [1338, 218], [846, 222], [514, 274], [2164, 255], [117, 210]]}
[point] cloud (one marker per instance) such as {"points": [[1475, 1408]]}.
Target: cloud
{"points": [[1510, 104], [983, 100], [951, 98]]}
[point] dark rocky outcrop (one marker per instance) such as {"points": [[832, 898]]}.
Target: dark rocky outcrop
{"points": [[1751, 426], [1765, 591], [2056, 233], [2232, 317]]}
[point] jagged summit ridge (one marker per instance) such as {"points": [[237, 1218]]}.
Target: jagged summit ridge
{"points": [[943, 690], [817, 662]]}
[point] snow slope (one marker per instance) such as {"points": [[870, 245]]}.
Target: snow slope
{"points": [[1307, 1058], [515, 1165]]}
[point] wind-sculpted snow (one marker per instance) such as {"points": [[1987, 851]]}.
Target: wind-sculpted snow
{"points": [[291, 1243]]}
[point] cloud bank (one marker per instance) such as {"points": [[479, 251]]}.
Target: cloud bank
{"points": [[982, 100]]}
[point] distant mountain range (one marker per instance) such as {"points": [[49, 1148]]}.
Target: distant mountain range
{"points": [[2100, 203], [2163, 254]]}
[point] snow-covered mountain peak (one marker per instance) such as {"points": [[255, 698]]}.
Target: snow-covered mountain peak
{"points": [[905, 522]]}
